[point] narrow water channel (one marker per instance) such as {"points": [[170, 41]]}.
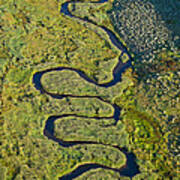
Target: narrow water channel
{"points": [[131, 168]]}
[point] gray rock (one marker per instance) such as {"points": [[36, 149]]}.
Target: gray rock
{"points": [[143, 25]]}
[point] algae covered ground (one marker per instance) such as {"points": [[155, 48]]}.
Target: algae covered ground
{"points": [[35, 37]]}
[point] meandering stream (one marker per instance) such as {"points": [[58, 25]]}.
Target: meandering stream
{"points": [[131, 168]]}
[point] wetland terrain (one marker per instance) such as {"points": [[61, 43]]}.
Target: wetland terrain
{"points": [[89, 90]]}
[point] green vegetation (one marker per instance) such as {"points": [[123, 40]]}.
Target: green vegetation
{"points": [[89, 129], [94, 12], [35, 37], [148, 176], [91, 107], [38, 157], [100, 154], [2, 173], [61, 82], [102, 174], [97, 13], [150, 111], [85, 154]]}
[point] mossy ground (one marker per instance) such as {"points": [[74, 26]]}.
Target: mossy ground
{"points": [[34, 37], [150, 110]]}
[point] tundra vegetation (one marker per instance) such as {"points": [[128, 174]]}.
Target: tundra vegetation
{"points": [[34, 37], [101, 174], [151, 108]]}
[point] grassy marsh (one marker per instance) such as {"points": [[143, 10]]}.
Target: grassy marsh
{"points": [[34, 37]]}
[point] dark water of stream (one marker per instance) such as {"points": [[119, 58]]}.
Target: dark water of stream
{"points": [[131, 168]]}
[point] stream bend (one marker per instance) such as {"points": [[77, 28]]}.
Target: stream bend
{"points": [[131, 168]]}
